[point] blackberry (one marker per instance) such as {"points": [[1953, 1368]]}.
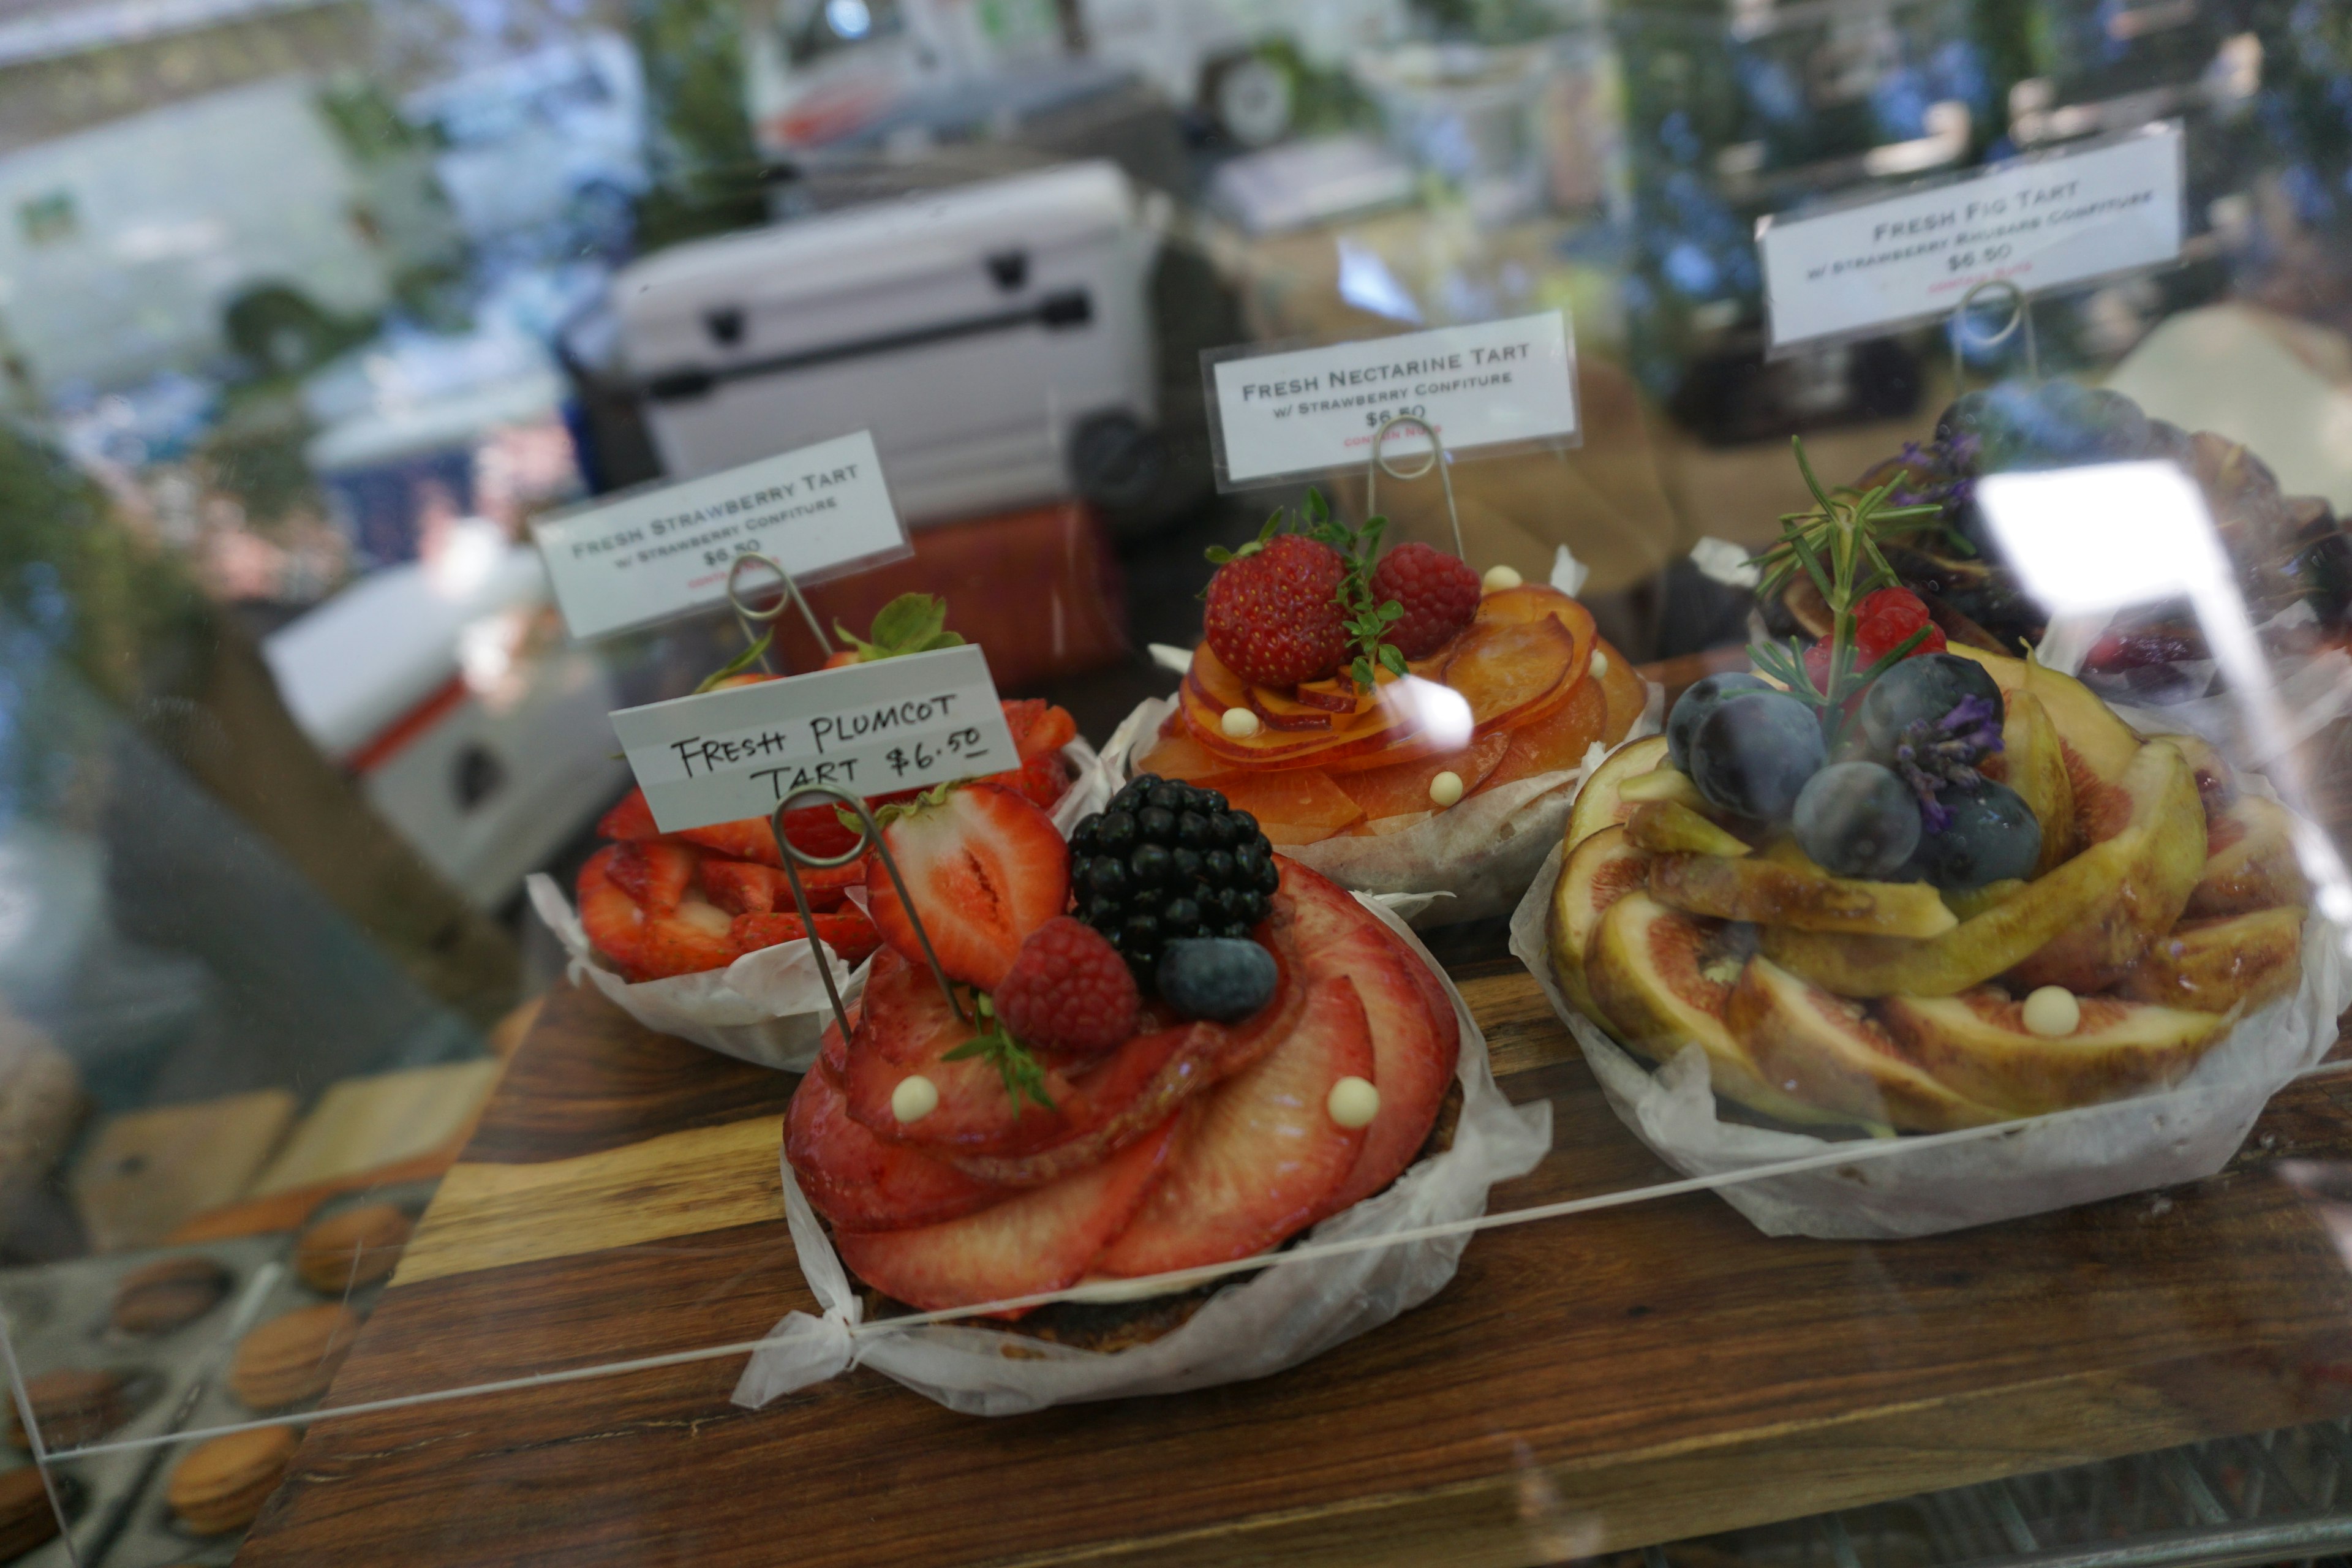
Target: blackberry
{"points": [[1164, 862]]}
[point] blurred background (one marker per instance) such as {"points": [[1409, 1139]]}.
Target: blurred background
{"points": [[308, 307]]}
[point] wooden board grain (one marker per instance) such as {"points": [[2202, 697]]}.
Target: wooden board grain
{"points": [[1584, 1384]]}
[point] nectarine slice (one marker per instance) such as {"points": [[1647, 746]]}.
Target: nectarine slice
{"points": [[1504, 669], [1293, 806], [1402, 787], [1556, 742]]}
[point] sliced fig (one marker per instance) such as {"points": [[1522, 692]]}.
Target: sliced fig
{"points": [[2249, 862], [1668, 826], [2034, 765], [1599, 871], [1830, 1052], [1597, 803], [1663, 980], [1977, 1044], [2088, 726], [2212, 966], [1793, 891], [2081, 914]]}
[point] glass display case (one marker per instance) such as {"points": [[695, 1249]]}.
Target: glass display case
{"points": [[1359, 781]]}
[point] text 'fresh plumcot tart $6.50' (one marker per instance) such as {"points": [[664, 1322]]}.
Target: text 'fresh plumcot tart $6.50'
{"points": [[1886, 883], [1103, 1098], [1392, 720]]}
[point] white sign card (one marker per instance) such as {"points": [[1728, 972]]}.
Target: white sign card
{"points": [[662, 553], [1301, 411], [871, 729], [2040, 223]]}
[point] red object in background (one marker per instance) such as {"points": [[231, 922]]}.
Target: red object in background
{"points": [[1038, 590]]}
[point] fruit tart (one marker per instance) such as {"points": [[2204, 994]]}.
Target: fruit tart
{"points": [[1092, 1102], [663, 918], [1392, 720], [1897, 882]]}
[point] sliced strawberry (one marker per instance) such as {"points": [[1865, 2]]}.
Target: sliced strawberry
{"points": [[908, 1028], [630, 818], [615, 922], [1052, 730], [1415, 1036], [850, 934], [857, 1181], [656, 872], [1262, 1154], [1042, 780], [747, 887], [1263, 1030], [984, 867], [1041, 1241]]}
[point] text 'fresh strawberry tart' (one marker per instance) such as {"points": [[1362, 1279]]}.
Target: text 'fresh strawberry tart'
{"points": [[1175, 1049]]}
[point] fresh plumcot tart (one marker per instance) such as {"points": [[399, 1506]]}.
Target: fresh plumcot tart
{"points": [[1893, 880], [1066, 1116]]}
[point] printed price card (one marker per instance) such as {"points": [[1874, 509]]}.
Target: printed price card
{"points": [[1302, 411], [663, 552], [870, 729], [2039, 222]]}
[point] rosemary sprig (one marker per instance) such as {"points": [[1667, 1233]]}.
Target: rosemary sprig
{"points": [[1023, 1078]]}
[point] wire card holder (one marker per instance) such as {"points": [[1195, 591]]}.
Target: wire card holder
{"points": [[747, 614], [1435, 458]]}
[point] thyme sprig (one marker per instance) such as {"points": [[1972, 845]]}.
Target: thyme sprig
{"points": [[1366, 618], [1023, 1078]]}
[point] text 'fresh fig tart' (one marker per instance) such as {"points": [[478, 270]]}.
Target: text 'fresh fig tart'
{"points": [[1879, 881], [1344, 698]]}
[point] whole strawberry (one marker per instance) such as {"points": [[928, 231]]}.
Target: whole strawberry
{"points": [[1068, 991], [1439, 593], [1274, 615]]}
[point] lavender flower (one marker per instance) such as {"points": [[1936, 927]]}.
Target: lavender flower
{"points": [[1936, 754]]}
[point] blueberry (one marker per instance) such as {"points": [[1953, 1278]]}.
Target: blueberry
{"points": [[1217, 869], [1192, 830], [1993, 835], [1181, 918], [1221, 978], [1753, 753], [1106, 877], [1115, 834], [1151, 865], [1856, 819], [1927, 686], [1702, 697], [1155, 824]]}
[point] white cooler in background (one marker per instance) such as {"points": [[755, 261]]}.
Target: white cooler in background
{"points": [[996, 338], [486, 748]]}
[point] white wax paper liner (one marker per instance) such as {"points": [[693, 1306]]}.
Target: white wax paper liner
{"points": [[767, 1007], [2035, 1166], [1282, 1317], [1476, 856]]}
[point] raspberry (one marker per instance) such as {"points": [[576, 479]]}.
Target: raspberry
{"points": [[1274, 615], [1068, 991], [1439, 593], [1883, 619]]}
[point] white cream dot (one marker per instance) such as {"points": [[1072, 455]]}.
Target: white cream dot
{"points": [[1353, 1102], [2052, 1012], [1445, 789], [914, 1098], [1499, 578], [1239, 723], [1600, 664]]}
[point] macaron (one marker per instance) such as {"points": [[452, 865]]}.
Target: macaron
{"points": [[220, 1485], [73, 1406], [26, 1520], [355, 1247], [292, 1358], [168, 1294]]}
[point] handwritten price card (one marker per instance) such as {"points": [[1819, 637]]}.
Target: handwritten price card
{"points": [[870, 729], [1302, 411], [2039, 223], [663, 552]]}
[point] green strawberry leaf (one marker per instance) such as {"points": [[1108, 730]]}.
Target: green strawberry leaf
{"points": [[911, 623]]}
